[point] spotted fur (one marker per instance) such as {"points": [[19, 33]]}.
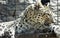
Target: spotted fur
{"points": [[35, 16]]}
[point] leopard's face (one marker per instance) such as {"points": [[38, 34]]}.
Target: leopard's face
{"points": [[48, 19]]}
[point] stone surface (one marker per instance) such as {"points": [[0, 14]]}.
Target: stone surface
{"points": [[11, 10]]}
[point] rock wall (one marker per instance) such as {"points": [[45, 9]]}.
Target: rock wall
{"points": [[12, 9]]}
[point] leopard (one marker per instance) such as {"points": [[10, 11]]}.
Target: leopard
{"points": [[35, 16]]}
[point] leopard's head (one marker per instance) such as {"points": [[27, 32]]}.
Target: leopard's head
{"points": [[36, 16], [47, 19]]}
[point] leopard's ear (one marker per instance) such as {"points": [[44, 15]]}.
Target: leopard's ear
{"points": [[38, 3]]}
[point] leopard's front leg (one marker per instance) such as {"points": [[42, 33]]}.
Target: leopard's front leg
{"points": [[12, 32]]}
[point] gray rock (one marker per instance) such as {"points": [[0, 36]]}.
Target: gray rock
{"points": [[12, 9]]}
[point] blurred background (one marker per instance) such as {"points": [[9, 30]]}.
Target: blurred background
{"points": [[11, 9]]}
